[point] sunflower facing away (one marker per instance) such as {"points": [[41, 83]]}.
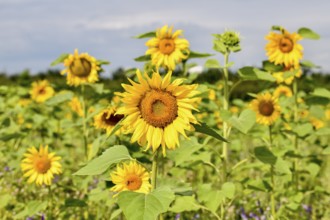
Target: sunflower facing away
{"points": [[40, 166], [107, 119], [130, 177], [283, 48], [41, 91], [266, 108], [167, 49], [81, 68], [158, 110]]}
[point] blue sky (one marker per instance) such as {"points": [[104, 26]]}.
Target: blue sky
{"points": [[35, 32]]}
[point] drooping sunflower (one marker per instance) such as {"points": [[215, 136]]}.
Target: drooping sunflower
{"points": [[41, 91], [131, 177], [167, 49], [81, 68], [280, 76], [40, 166], [107, 119], [266, 108], [282, 90], [158, 110], [283, 48]]}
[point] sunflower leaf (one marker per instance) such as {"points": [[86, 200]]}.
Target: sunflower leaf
{"points": [[139, 206], [271, 67], [59, 98], [308, 33], [146, 35], [265, 155], [109, 157], [212, 63], [204, 129], [193, 54], [244, 122], [60, 59], [143, 58]]}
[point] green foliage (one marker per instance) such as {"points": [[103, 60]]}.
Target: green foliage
{"points": [[109, 157], [60, 59], [139, 206], [244, 122], [146, 35], [204, 129], [265, 155], [308, 33]]}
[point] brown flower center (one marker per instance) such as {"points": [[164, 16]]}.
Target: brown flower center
{"points": [[111, 120], [80, 67], [266, 108], [166, 46], [133, 182], [158, 108], [42, 90], [286, 45], [42, 164]]}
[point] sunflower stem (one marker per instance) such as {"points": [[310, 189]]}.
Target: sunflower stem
{"points": [[154, 170], [295, 174], [225, 125], [85, 134], [272, 196]]}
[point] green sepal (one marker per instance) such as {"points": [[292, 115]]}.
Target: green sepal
{"points": [[143, 58], [308, 33], [146, 35], [60, 59]]}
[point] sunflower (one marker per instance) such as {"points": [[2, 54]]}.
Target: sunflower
{"points": [[158, 110], [81, 68], [317, 123], [131, 177], [107, 119], [266, 108], [76, 106], [283, 48], [40, 166], [282, 90], [167, 49], [280, 76], [41, 91]]}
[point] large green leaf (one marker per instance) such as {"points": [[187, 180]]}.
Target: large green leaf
{"points": [[31, 209], [244, 122], [185, 203], [308, 33], [193, 54], [59, 98], [251, 73], [146, 35], [60, 59], [321, 92], [303, 129], [265, 155], [139, 206], [185, 151], [210, 197], [228, 189], [143, 58], [212, 63], [203, 128], [109, 157], [271, 67]]}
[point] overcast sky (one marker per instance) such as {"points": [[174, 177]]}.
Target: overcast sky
{"points": [[35, 32]]}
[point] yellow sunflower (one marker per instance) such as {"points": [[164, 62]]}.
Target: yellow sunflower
{"points": [[266, 108], [280, 77], [282, 90], [76, 106], [167, 49], [283, 48], [40, 166], [107, 119], [317, 123], [158, 110], [131, 177], [81, 68], [41, 91]]}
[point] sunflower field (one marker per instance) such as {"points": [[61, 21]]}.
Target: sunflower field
{"points": [[164, 142]]}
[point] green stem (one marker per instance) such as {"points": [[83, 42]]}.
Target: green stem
{"points": [[225, 125], [295, 174], [272, 196], [154, 170], [85, 134]]}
